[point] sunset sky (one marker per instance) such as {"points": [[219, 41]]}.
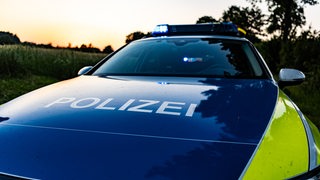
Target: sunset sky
{"points": [[107, 22]]}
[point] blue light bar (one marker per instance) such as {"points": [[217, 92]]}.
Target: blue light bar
{"points": [[160, 30], [224, 28]]}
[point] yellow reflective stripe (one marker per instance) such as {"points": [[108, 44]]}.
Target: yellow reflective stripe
{"points": [[242, 30], [283, 151], [316, 137]]}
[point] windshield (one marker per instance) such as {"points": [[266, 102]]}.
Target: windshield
{"points": [[203, 57]]}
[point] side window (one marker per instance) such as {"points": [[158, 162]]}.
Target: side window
{"points": [[253, 60]]}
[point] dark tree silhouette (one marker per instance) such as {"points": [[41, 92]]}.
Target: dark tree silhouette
{"points": [[108, 49], [251, 20], [89, 48], [206, 19], [286, 16], [135, 36], [8, 38]]}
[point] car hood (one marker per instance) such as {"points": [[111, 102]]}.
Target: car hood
{"points": [[136, 128]]}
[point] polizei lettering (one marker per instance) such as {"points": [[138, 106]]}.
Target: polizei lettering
{"points": [[132, 105]]}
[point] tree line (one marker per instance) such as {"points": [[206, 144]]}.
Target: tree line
{"points": [[9, 38]]}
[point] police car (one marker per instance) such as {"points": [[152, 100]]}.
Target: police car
{"points": [[191, 102]]}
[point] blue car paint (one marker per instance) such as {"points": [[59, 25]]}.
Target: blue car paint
{"points": [[53, 141]]}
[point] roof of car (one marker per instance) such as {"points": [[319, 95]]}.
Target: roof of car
{"points": [[198, 36]]}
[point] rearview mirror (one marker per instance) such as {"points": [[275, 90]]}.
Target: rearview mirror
{"points": [[84, 70], [290, 77]]}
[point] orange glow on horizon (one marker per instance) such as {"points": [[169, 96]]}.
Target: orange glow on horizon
{"points": [[65, 34]]}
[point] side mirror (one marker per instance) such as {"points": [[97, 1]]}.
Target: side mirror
{"points": [[84, 70], [290, 77]]}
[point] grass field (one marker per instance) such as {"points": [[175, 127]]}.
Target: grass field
{"points": [[12, 87], [17, 60], [23, 69]]}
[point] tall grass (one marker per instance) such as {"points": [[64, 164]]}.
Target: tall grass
{"points": [[24, 68], [17, 60], [13, 87]]}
